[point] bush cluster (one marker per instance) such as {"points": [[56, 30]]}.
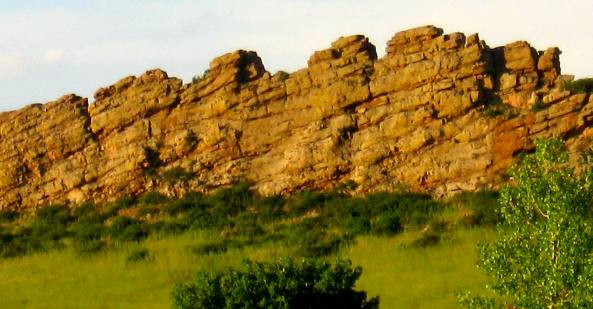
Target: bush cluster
{"points": [[313, 223], [583, 85], [279, 284]]}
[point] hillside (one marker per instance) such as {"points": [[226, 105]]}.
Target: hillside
{"points": [[439, 113]]}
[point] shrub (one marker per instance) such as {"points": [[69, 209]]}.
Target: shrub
{"points": [[139, 255], [127, 229], [199, 77], [54, 214], [483, 207], [152, 161], [359, 225], [84, 210], [184, 204], [280, 284], [270, 208], [498, 108], [169, 227], [413, 209], [89, 247], [191, 139], [583, 85], [321, 244], [152, 198], [9, 215], [216, 247], [246, 224], [176, 174], [427, 239], [48, 233], [538, 106], [282, 75], [123, 202], [231, 200], [17, 244], [305, 201], [388, 224]]}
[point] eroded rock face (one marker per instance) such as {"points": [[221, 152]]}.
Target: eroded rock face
{"points": [[439, 113]]}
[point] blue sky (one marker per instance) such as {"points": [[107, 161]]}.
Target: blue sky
{"points": [[50, 48]]}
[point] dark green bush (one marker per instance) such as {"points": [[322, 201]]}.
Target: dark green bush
{"points": [[9, 215], [54, 214], [152, 198], [121, 203], [127, 229], [359, 225], [17, 244], [232, 200], [216, 247], [246, 224], [200, 77], [217, 210], [176, 174], [387, 224], [306, 201], [282, 75], [89, 247], [168, 227], [321, 243], [83, 231], [411, 209], [483, 207], [270, 208], [83, 210], [48, 232], [538, 106], [139, 255], [280, 284], [191, 139], [583, 85], [427, 239], [125, 202], [184, 204]]}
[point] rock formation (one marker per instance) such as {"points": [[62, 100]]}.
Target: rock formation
{"points": [[439, 113]]}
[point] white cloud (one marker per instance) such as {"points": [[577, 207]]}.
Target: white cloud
{"points": [[53, 55]]}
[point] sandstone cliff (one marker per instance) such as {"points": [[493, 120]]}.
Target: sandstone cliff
{"points": [[439, 113]]}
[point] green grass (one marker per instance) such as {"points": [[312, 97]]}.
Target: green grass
{"points": [[64, 279], [403, 276], [409, 277]]}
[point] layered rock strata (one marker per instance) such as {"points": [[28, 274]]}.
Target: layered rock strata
{"points": [[439, 113]]}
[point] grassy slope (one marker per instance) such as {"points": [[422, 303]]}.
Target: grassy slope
{"points": [[404, 277]]}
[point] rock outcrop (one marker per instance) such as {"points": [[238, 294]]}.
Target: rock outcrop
{"points": [[439, 113]]}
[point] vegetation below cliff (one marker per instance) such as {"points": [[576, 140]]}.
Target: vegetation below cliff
{"points": [[317, 223], [131, 252]]}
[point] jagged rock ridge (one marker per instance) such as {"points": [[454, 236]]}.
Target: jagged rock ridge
{"points": [[439, 113]]}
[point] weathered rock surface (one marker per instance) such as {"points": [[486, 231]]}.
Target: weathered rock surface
{"points": [[439, 113]]}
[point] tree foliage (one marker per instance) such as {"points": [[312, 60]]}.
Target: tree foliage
{"points": [[280, 284], [543, 256]]}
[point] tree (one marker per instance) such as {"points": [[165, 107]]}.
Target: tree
{"points": [[543, 257], [279, 284]]}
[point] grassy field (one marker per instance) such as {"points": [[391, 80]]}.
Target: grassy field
{"points": [[403, 276]]}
